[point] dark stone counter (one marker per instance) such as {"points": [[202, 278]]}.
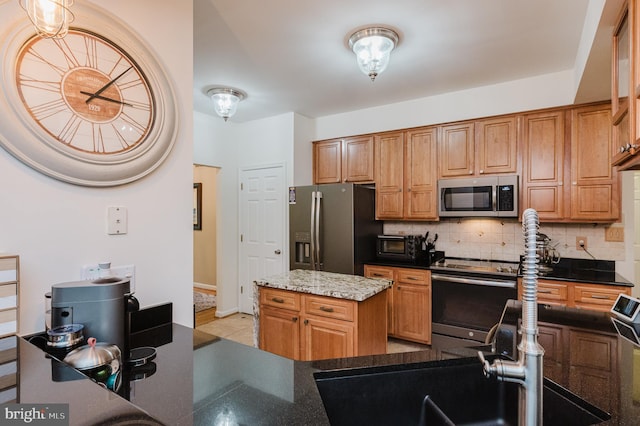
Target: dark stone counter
{"points": [[198, 378]]}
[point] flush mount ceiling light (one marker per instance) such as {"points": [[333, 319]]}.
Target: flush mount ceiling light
{"points": [[51, 18], [225, 100], [373, 47]]}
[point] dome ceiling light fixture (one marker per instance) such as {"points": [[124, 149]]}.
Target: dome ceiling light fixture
{"points": [[373, 47], [51, 18], [226, 100]]}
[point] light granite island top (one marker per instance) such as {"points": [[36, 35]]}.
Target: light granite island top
{"points": [[341, 286], [310, 315]]}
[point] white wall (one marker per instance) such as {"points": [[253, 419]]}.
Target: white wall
{"points": [[544, 91], [233, 147], [56, 228]]}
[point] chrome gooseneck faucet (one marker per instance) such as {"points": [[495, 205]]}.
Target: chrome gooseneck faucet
{"points": [[527, 370]]}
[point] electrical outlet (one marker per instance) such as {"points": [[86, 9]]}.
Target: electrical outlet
{"points": [[581, 243], [614, 234]]}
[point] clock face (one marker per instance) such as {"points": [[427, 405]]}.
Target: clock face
{"points": [[85, 92]]}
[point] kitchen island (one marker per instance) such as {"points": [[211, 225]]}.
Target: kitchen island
{"points": [[310, 315]]}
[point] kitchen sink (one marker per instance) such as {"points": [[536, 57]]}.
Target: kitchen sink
{"points": [[449, 392]]}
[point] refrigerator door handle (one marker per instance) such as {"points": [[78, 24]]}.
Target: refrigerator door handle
{"points": [[313, 236], [317, 232]]}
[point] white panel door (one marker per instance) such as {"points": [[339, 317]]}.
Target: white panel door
{"points": [[262, 228]]}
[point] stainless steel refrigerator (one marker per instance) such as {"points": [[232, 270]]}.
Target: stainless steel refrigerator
{"points": [[332, 227]]}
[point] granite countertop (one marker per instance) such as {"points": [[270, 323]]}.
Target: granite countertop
{"points": [[342, 286]]}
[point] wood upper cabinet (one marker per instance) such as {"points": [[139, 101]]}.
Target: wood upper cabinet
{"points": [[389, 173], [543, 163], [456, 150], [406, 184], [594, 182], [488, 146], [343, 160], [497, 145]]}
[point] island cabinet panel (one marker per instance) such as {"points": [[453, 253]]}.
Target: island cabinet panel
{"points": [[343, 160], [543, 163], [280, 332], [409, 307], [596, 297], [321, 327], [585, 362], [551, 339], [593, 369]]}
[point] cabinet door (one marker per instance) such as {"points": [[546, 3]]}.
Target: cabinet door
{"points": [[543, 164], [456, 150], [280, 332], [550, 338], [327, 161], [412, 311], [371, 271], [325, 338], [389, 160], [357, 159], [420, 174], [594, 182], [593, 369], [496, 145]]}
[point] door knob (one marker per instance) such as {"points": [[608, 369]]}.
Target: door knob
{"points": [[277, 251]]}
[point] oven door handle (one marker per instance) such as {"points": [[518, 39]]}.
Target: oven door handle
{"points": [[474, 281]]}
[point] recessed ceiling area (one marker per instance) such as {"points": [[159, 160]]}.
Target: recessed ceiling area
{"points": [[293, 56]]}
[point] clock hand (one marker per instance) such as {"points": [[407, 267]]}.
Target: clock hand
{"points": [[104, 98], [103, 88]]}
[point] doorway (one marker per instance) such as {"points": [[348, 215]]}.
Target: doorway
{"points": [[263, 251], [204, 242]]}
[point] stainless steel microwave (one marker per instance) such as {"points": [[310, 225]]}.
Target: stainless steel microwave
{"points": [[486, 196]]}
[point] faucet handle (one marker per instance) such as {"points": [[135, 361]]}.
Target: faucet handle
{"points": [[486, 367]]}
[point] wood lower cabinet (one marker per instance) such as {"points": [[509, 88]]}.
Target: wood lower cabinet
{"points": [[585, 362], [309, 327], [343, 160], [409, 307], [596, 297]]}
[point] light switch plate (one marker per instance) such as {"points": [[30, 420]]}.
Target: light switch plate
{"points": [[116, 220]]}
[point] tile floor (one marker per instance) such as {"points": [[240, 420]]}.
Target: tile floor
{"points": [[239, 328]]}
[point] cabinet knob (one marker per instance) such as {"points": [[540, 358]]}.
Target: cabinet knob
{"points": [[574, 183], [470, 172], [399, 189], [294, 319], [408, 189], [306, 322], [481, 171]]}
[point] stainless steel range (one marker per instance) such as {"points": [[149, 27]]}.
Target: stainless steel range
{"points": [[468, 297]]}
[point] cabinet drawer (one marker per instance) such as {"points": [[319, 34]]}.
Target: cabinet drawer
{"points": [[413, 276], [553, 293], [329, 307], [378, 272], [280, 298], [600, 298]]}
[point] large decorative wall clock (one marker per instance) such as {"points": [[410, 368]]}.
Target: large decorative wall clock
{"points": [[95, 108]]}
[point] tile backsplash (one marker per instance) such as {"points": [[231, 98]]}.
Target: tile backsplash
{"points": [[502, 239]]}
